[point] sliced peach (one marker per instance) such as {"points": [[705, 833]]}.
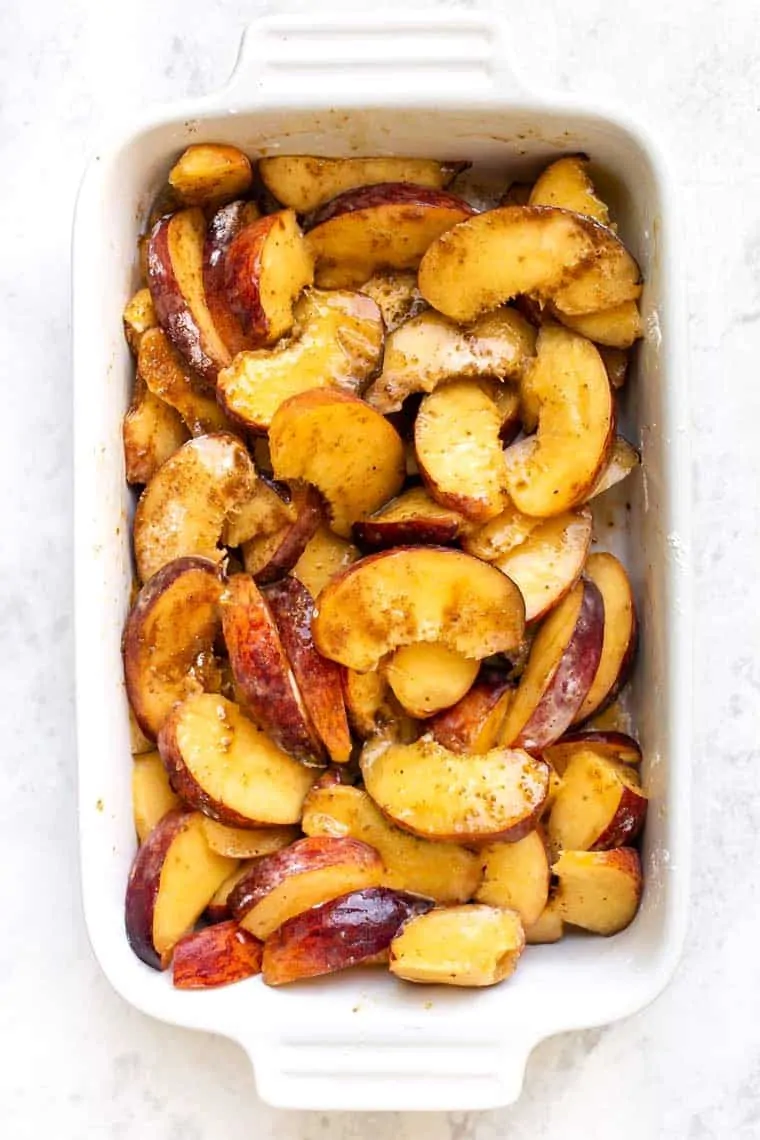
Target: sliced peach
{"points": [[620, 633], [516, 875], [267, 510], [548, 253], [169, 639], [426, 677], [624, 458], [549, 563], [175, 278], [412, 518], [397, 297], [266, 267], [599, 890], [442, 871], [168, 377], [151, 432], [318, 679], [139, 316], [223, 228], [619, 327], [343, 447], [418, 594], [230, 770], [387, 226], [438, 794], [217, 909], [369, 702], [566, 183], [309, 872], [563, 661], [459, 450], [337, 341], [556, 468], [216, 956], [324, 556], [246, 842], [268, 556], [473, 724], [183, 509], [210, 173], [351, 930], [549, 926], [599, 805], [306, 182], [473, 945], [263, 674], [174, 875], [152, 796], [614, 745], [429, 350]]}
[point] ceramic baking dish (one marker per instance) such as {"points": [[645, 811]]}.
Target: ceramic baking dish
{"points": [[433, 86]]}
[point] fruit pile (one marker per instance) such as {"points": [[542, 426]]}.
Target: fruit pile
{"points": [[369, 635]]}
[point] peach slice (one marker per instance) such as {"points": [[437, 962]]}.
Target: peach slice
{"points": [[563, 661], [309, 872], [619, 327], [337, 341], [174, 875], [263, 673], [343, 447], [620, 633], [473, 724], [472, 945], [222, 230], [307, 182], [352, 930], [566, 183], [169, 639], [207, 174], [426, 677], [369, 702], [554, 470], [516, 875], [168, 377], [318, 679], [220, 763], [428, 350], [139, 316], [412, 518], [152, 796], [459, 451], [442, 795], [247, 842], [549, 926], [151, 432], [266, 267], [415, 594], [624, 458], [548, 253], [216, 956], [599, 805], [175, 279], [613, 745], [269, 555], [387, 226], [599, 891], [442, 871], [324, 557], [183, 509]]}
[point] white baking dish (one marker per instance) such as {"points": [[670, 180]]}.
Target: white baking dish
{"points": [[433, 86]]}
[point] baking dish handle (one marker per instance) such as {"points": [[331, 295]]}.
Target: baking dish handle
{"points": [[416, 1073], [296, 58]]}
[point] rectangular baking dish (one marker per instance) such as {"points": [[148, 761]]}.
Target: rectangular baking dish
{"points": [[433, 85]]}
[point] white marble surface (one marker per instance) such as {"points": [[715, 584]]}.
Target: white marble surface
{"points": [[76, 1062]]}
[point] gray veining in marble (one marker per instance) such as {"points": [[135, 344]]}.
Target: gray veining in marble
{"points": [[77, 1062]]}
